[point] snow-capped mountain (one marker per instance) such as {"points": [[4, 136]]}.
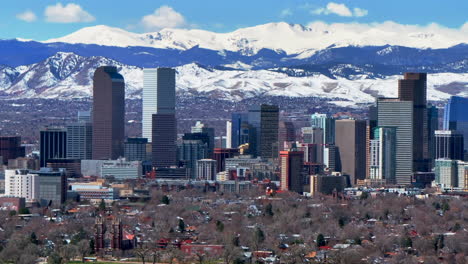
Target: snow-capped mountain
{"points": [[291, 39], [67, 76]]}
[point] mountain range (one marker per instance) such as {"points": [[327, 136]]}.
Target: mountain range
{"points": [[272, 59]]}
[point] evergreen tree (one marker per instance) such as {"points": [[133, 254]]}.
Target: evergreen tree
{"points": [[181, 225], [321, 240], [219, 226], [269, 210], [165, 199]]}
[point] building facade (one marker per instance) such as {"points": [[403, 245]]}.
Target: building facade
{"points": [[449, 144], [292, 178], [265, 121], [10, 148], [108, 113], [455, 117], [159, 92], [52, 144], [164, 145], [80, 140]]}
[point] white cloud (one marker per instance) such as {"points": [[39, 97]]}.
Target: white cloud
{"points": [[286, 12], [340, 10], [27, 16], [163, 17], [359, 12], [70, 13]]}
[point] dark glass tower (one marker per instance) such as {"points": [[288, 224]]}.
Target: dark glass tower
{"points": [[414, 88], [164, 146], [265, 120], [108, 113], [456, 117], [10, 148], [53, 144]]}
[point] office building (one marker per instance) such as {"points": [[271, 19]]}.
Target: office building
{"points": [[264, 120], [228, 134], [313, 153], [238, 138], [413, 88], [199, 129], [350, 138], [189, 151], [327, 124], [287, 134], [449, 144], [80, 140], [20, 183], [220, 155], [327, 184], [432, 126], [446, 172], [159, 93], [121, 169], [292, 177], [52, 186], [53, 144], [26, 163], [10, 148], [108, 113], [456, 117], [399, 114], [312, 135], [71, 167], [135, 149], [164, 145], [331, 158], [382, 155], [206, 169]]}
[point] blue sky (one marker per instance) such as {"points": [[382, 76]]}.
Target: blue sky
{"points": [[44, 19]]}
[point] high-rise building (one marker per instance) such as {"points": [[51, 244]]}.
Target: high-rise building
{"points": [[20, 183], [313, 153], [228, 134], [326, 184], [80, 140], [220, 155], [265, 120], [327, 124], [350, 138], [200, 128], [52, 186], [121, 169], [331, 158], [164, 145], [10, 148], [292, 178], [432, 126], [108, 113], [237, 119], [413, 88], [449, 144], [189, 151], [382, 155], [399, 114], [456, 117], [206, 169], [135, 149], [312, 135], [53, 144], [159, 93], [287, 133]]}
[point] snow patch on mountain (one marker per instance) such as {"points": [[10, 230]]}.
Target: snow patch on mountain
{"points": [[281, 37], [67, 76]]}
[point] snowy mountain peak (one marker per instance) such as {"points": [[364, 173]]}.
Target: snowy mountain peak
{"points": [[281, 36]]}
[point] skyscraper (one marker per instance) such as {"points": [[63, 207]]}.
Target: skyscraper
{"points": [[237, 120], [80, 140], [158, 96], [456, 117], [432, 126], [448, 144], [200, 128], [292, 162], [108, 113], [135, 149], [189, 151], [327, 124], [350, 138], [164, 146], [382, 155], [287, 133], [413, 88], [228, 134], [53, 144], [265, 120], [399, 114]]}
